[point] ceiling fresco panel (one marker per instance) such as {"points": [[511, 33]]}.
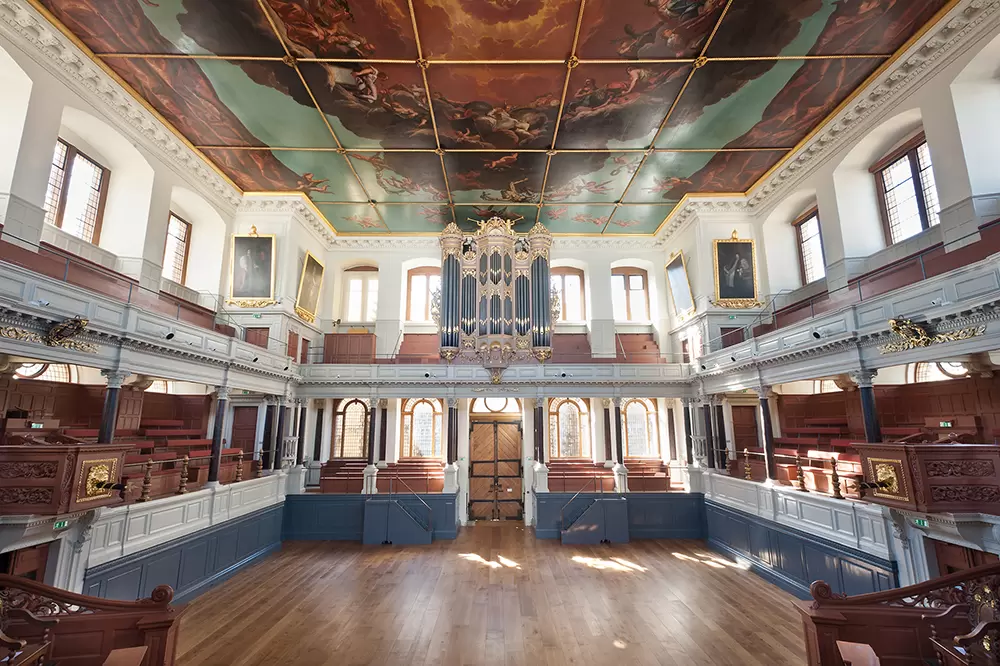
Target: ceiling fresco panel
{"points": [[197, 27], [323, 175], [647, 29], [339, 29], [373, 105], [618, 106], [590, 177], [640, 220], [668, 176], [496, 30], [411, 218], [469, 217], [401, 177], [760, 104], [496, 106], [353, 218], [495, 178], [819, 27], [576, 218]]}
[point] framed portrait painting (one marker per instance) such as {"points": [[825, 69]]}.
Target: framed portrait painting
{"points": [[251, 282], [681, 294], [310, 285], [735, 273]]}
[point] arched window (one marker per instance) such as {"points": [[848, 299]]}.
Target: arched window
{"points": [[46, 372], [77, 193], [361, 297], [568, 284], [350, 429], [421, 434], [938, 372], [639, 425], [906, 190], [569, 428], [496, 406], [812, 265], [421, 283], [630, 294], [176, 249]]}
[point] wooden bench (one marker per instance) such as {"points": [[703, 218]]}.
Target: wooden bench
{"points": [[161, 423], [829, 421], [161, 433], [815, 431]]}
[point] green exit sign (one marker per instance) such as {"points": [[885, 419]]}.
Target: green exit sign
{"points": [[37, 426], [732, 316], [60, 524], [945, 424], [920, 522], [256, 315]]}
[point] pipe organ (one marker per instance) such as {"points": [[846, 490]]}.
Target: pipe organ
{"points": [[496, 304]]}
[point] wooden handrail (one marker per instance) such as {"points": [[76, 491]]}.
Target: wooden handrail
{"points": [[159, 598]]}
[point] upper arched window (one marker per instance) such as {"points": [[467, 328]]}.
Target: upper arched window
{"points": [[640, 428], [496, 406], [350, 428], [812, 265], [421, 283], [176, 249], [361, 297], [421, 431], [568, 284], [77, 193], [907, 192], [159, 386], [630, 294], [46, 372], [569, 428], [938, 372]]}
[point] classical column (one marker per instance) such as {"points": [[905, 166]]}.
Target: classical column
{"points": [[706, 409], [267, 445], [279, 438], [539, 428], [720, 428], [300, 418], [370, 486], [688, 435], [383, 431], [768, 430], [620, 471], [452, 431], [109, 416], [609, 454], [222, 399], [863, 378]]}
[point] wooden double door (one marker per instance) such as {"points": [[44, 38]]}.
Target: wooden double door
{"points": [[495, 471]]}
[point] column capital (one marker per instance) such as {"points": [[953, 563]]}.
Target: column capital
{"points": [[606, 403], [863, 377], [616, 401], [116, 378], [763, 391], [452, 403], [372, 403], [222, 392], [383, 403]]}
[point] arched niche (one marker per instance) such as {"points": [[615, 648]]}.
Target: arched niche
{"points": [[16, 86], [207, 246], [780, 251], [580, 266], [123, 230], [975, 95], [654, 273]]}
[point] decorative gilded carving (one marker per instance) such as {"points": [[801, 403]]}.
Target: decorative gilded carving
{"points": [[28, 470], [94, 475], [888, 472], [960, 468], [25, 495], [22, 335], [915, 336], [965, 493], [251, 302], [305, 315], [885, 474]]}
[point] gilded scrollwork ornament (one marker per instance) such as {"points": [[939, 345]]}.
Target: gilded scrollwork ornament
{"points": [[913, 336]]}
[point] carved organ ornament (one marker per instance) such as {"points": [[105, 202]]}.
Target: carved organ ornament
{"points": [[496, 300]]}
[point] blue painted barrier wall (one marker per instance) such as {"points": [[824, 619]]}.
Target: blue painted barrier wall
{"points": [[650, 515], [792, 559], [191, 564], [318, 517]]}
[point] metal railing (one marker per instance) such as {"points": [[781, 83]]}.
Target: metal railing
{"points": [[429, 528], [599, 488]]}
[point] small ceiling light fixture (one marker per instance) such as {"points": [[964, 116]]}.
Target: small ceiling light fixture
{"points": [[255, 358], [169, 336]]}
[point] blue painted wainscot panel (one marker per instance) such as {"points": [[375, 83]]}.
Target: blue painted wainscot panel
{"points": [[319, 517], [192, 564], [650, 515], [791, 559]]}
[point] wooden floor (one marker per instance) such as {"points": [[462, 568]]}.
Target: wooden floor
{"points": [[496, 595]]}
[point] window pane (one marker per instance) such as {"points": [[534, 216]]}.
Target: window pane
{"points": [[569, 430], [175, 250], [812, 250], [423, 431], [354, 297], [901, 200], [56, 175], [418, 297], [83, 198], [618, 297], [372, 299], [352, 434], [572, 306], [928, 185], [637, 304], [635, 282], [635, 423]]}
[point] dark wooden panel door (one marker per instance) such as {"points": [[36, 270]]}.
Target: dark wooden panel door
{"points": [[257, 336], [495, 473], [244, 428], [952, 558], [745, 427]]}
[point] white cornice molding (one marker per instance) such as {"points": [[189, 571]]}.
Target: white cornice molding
{"points": [[294, 205], [963, 26], [30, 32]]}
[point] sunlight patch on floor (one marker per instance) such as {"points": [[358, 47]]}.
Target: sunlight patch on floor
{"points": [[500, 563], [713, 561], [614, 564]]}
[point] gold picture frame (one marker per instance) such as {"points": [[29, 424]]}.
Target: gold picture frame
{"points": [[682, 308], [307, 310], [246, 278], [733, 289]]}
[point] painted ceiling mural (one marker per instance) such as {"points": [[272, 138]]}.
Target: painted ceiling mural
{"points": [[400, 117]]}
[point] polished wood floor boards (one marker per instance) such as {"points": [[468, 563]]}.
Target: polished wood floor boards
{"points": [[496, 595]]}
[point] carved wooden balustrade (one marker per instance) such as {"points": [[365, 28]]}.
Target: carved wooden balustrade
{"points": [[77, 630], [934, 478], [948, 620], [58, 474]]}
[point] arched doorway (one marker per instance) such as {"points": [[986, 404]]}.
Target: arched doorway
{"points": [[496, 488]]}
